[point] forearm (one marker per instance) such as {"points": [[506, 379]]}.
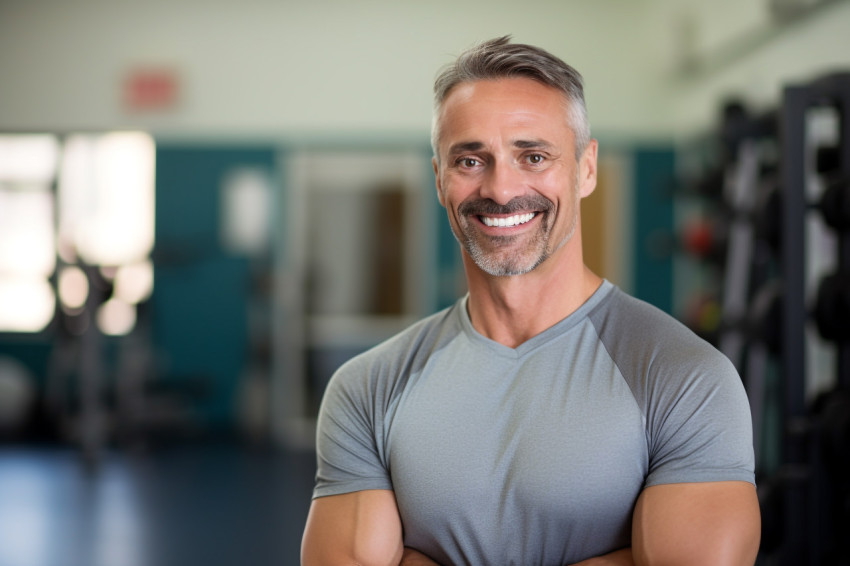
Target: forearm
{"points": [[619, 558]]}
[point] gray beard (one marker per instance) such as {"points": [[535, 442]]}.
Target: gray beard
{"points": [[485, 252], [503, 266]]}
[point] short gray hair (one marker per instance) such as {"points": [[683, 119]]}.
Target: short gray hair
{"points": [[498, 59]]}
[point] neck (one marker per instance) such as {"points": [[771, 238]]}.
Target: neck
{"points": [[511, 310]]}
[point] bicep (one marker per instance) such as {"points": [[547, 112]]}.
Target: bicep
{"points": [[716, 523], [362, 527]]}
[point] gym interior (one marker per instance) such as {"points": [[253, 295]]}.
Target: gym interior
{"points": [[207, 207]]}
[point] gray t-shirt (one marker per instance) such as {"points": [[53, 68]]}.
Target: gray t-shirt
{"points": [[535, 454]]}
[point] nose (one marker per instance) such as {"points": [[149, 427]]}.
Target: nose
{"points": [[502, 182]]}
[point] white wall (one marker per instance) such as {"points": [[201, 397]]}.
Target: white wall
{"points": [[277, 67], [740, 50]]}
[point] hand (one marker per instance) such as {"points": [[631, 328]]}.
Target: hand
{"points": [[412, 557]]}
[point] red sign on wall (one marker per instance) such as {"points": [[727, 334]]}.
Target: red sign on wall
{"points": [[151, 88]]}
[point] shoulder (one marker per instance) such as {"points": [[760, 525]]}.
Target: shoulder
{"points": [[694, 404], [357, 407], [621, 313], [654, 351], [382, 370], [640, 332]]}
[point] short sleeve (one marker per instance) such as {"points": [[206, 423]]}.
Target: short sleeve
{"points": [[347, 450], [696, 411], [699, 424]]}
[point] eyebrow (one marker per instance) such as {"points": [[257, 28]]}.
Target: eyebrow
{"points": [[462, 147], [532, 144], [465, 146]]}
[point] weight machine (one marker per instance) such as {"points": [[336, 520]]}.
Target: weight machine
{"points": [[816, 485], [784, 195]]}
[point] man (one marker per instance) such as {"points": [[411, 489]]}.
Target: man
{"points": [[547, 417]]}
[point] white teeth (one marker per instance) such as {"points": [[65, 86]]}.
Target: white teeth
{"points": [[509, 221]]}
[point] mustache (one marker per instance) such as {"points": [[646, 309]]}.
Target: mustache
{"points": [[485, 206]]}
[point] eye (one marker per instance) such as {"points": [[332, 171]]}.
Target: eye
{"points": [[535, 159], [468, 162]]}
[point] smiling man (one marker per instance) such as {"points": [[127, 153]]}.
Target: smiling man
{"points": [[505, 231], [547, 417]]}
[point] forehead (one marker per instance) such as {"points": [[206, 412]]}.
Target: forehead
{"points": [[510, 106]]}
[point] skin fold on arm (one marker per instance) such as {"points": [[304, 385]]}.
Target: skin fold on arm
{"points": [[362, 528], [712, 523]]}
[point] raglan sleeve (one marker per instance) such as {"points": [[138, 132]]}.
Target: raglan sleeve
{"points": [[699, 423], [348, 453]]}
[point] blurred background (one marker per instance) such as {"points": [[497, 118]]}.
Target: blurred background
{"points": [[207, 207]]}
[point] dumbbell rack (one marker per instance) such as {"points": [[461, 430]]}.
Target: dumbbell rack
{"points": [[805, 536]]}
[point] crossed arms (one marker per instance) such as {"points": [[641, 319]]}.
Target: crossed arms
{"points": [[713, 523]]}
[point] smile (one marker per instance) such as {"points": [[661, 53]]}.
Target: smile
{"points": [[508, 221]]}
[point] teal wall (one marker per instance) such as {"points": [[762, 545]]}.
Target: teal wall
{"points": [[199, 312], [653, 181], [201, 293]]}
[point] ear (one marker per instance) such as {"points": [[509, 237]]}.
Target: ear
{"points": [[587, 169], [439, 181]]}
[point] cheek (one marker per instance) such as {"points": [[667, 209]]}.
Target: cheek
{"points": [[441, 197], [565, 197], [454, 191], [556, 189], [442, 184], [450, 198]]}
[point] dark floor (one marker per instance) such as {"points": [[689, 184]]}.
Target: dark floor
{"points": [[186, 503], [210, 503]]}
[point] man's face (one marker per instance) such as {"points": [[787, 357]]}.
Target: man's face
{"points": [[507, 172]]}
